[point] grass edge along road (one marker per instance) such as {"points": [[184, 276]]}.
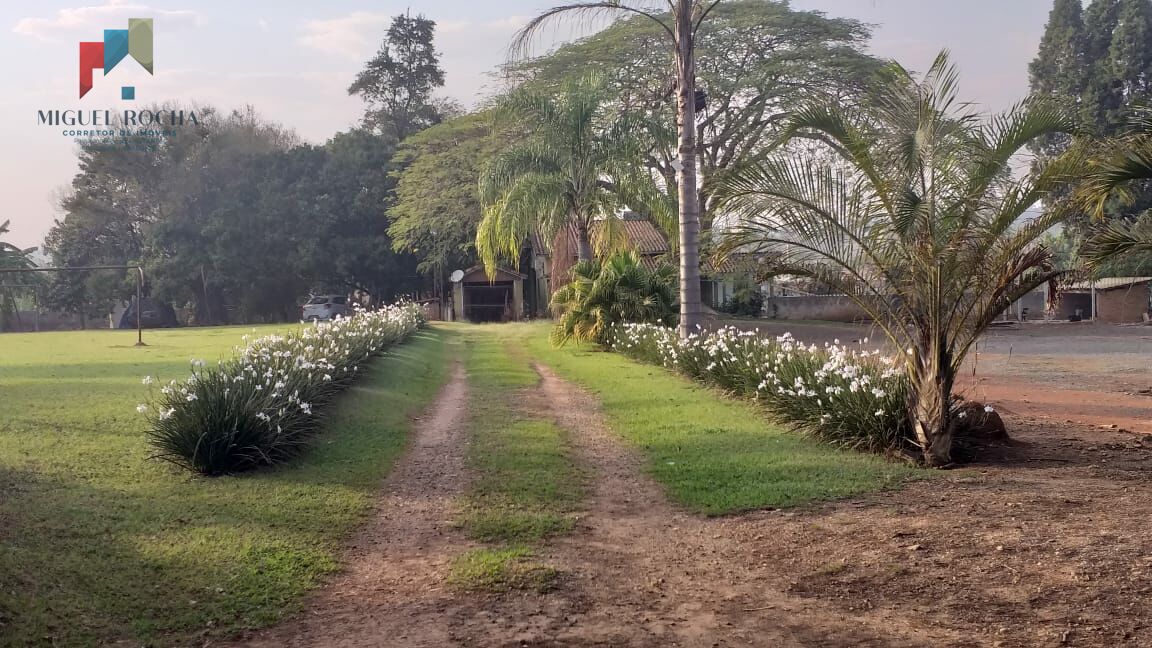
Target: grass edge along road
{"points": [[526, 485], [713, 455], [100, 544]]}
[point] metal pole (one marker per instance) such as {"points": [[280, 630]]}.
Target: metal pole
{"points": [[140, 307], [1093, 318]]}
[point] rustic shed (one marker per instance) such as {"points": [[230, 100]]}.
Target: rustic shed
{"points": [[1116, 300], [480, 298]]}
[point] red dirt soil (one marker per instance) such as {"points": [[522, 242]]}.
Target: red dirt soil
{"points": [[1041, 543]]}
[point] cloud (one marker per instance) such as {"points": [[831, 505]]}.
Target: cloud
{"points": [[94, 19], [358, 34], [353, 36]]}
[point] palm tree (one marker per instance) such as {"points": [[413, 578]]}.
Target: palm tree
{"points": [[1117, 166], [557, 177], [602, 294], [918, 221], [681, 25]]}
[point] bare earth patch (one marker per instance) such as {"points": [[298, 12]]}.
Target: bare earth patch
{"points": [[1041, 544]]}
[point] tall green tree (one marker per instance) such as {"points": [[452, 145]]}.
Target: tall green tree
{"points": [[1131, 51], [917, 221], [679, 28], [1059, 72], [436, 208], [1102, 100], [1114, 59], [557, 176], [399, 81]]}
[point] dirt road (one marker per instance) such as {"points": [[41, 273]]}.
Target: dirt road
{"points": [[1040, 545]]}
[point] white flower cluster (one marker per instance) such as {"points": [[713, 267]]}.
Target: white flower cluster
{"points": [[850, 394], [279, 377]]}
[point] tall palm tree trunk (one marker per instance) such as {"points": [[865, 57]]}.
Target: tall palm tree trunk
{"points": [[689, 197], [583, 242]]}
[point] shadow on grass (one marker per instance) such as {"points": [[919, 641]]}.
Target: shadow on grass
{"points": [[93, 553]]}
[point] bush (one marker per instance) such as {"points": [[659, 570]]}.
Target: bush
{"points": [[260, 407], [852, 398], [601, 295], [745, 302]]}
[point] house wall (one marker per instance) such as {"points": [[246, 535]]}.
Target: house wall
{"points": [[1122, 305], [832, 308], [563, 258]]}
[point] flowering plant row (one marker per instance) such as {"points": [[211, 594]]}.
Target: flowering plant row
{"points": [[260, 407], [849, 396]]}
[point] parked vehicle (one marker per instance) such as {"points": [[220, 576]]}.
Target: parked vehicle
{"points": [[325, 307], [156, 314]]}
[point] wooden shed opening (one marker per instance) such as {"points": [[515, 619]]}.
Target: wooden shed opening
{"points": [[488, 302], [480, 299]]}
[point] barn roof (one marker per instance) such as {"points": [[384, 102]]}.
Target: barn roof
{"points": [[1108, 283]]}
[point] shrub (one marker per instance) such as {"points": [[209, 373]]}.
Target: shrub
{"points": [[603, 294], [260, 407], [850, 397], [746, 302]]}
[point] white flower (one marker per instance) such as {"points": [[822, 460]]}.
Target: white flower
{"points": [[879, 412], [988, 409], [167, 414], [147, 380], [142, 408], [263, 417], [962, 415], [190, 397], [327, 377]]}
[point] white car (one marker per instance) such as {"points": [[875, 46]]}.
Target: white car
{"points": [[324, 308]]}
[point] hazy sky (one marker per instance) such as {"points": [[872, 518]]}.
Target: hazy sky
{"points": [[294, 59]]}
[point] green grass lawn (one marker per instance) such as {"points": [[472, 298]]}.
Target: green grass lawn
{"points": [[713, 454], [100, 543]]}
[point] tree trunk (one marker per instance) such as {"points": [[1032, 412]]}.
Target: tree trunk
{"points": [[689, 198], [930, 409], [583, 243]]}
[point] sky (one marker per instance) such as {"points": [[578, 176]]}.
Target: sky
{"points": [[292, 60]]}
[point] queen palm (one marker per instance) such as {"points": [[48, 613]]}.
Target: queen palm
{"points": [[680, 24], [558, 176], [917, 219]]}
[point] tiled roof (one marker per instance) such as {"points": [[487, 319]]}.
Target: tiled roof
{"points": [[642, 234], [1109, 283]]}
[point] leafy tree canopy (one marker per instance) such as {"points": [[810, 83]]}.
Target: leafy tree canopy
{"points": [[756, 59], [437, 205]]}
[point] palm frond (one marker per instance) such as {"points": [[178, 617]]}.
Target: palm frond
{"points": [[586, 12]]}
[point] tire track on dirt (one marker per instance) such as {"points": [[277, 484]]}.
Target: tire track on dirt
{"points": [[642, 573], [393, 584]]}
